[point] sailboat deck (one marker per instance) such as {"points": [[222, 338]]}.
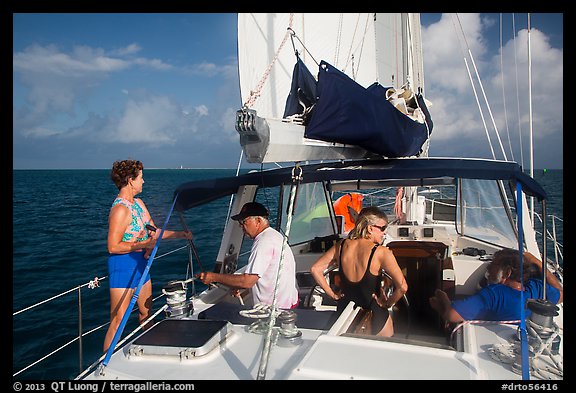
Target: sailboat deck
{"points": [[321, 354]]}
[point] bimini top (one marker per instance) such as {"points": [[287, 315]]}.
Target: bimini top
{"points": [[404, 171]]}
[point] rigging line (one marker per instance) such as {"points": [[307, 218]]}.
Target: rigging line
{"points": [[303, 35], [350, 56], [376, 52], [503, 90], [517, 94], [524, 356], [255, 94], [191, 250], [395, 38], [419, 78], [362, 43], [480, 108], [483, 92], [294, 35], [472, 82], [296, 178], [232, 196], [351, 45], [410, 53], [338, 40], [426, 145]]}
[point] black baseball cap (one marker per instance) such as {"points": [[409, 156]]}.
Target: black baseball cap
{"points": [[251, 209]]}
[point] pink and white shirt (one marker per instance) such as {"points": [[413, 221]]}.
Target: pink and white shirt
{"points": [[263, 261]]}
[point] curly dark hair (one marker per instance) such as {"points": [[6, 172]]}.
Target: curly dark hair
{"points": [[125, 170], [509, 260]]}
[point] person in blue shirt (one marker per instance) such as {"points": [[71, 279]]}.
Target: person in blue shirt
{"points": [[500, 299]]}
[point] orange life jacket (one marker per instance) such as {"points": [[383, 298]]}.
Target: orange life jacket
{"points": [[349, 206]]}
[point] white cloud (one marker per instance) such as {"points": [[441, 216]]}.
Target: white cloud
{"points": [[56, 81], [146, 121], [228, 71], [153, 63], [50, 60], [226, 124], [127, 50], [455, 112], [156, 120], [201, 110], [444, 50]]}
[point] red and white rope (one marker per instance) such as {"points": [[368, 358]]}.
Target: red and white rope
{"points": [[254, 94], [479, 322]]}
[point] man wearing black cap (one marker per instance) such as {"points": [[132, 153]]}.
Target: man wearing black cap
{"points": [[262, 268]]}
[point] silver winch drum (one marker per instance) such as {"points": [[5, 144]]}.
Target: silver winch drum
{"points": [[543, 312], [178, 304]]}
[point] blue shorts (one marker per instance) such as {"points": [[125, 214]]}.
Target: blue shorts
{"points": [[125, 270]]}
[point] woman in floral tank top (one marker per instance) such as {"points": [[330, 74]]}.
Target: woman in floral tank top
{"points": [[129, 245]]}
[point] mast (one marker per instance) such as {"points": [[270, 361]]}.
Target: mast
{"points": [[413, 67], [530, 111]]}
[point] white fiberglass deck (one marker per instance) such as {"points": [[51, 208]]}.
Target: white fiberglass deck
{"points": [[323, 355]]}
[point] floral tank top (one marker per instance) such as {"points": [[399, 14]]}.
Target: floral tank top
{"points": [[136, 230]]}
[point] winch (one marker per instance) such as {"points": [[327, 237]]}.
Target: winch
{"points": [[179, 305], [543, 338], [544, 343]]}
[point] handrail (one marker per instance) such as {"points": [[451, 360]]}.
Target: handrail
{"points": [[92, 285], [558, 255]]}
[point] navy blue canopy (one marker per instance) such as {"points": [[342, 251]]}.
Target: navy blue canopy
{"points": [[408, 171], [347, 113]]}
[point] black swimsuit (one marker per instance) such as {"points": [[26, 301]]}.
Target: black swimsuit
{"points": [[361, 292]]}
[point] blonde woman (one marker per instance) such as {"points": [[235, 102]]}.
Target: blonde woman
{"points": [[361, 260]]}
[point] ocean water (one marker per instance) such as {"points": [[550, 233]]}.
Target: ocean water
{"points": [[59, 243]]}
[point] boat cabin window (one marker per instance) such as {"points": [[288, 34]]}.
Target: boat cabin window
{"points": [[484, 214], [311, 214]]}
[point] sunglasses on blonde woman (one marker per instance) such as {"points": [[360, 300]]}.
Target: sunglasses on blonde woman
{"points": [[381, 227]]}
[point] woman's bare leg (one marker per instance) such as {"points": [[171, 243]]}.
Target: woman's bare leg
{"points": [[145, 303], [388, 329], [119, 302]]}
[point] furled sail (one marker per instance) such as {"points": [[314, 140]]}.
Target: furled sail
{"points": [[347, 113]]}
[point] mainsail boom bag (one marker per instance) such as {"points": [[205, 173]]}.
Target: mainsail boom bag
{"points": [[348, 113]]}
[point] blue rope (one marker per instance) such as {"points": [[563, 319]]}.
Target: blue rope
{"points": [[118, 333], [523, 336]]}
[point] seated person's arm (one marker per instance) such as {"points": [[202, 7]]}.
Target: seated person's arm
{"points": [[550, 278], [230, 280], [442, 304]]}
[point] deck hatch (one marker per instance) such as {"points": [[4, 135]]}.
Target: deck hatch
{"points": [[181, 337]]}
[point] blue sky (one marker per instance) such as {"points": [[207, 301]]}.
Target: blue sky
{"points": [[92, 88]]}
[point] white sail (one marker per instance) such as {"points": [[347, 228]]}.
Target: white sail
{"points": [[368, 47]]}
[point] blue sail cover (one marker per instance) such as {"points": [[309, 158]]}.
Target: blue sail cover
{"points": [[347, 113], [303, 89]]}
